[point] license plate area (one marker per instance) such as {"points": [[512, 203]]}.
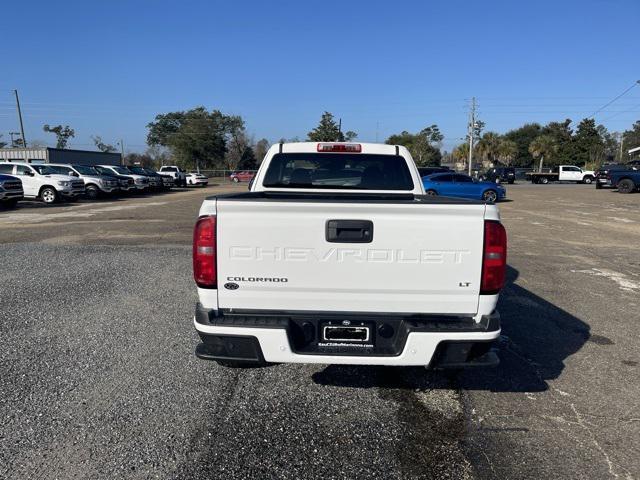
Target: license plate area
{"points": [[345, 332]]}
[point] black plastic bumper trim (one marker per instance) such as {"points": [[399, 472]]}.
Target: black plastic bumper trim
{"points": [[242, 348]]}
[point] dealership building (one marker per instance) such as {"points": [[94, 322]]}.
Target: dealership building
{"points": [[59, 155]]}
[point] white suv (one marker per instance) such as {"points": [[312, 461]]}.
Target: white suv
{"points": [[40, 181]]}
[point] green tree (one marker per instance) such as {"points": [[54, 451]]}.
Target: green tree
{"points": [[423, 146], [328, 131], [563, 137], [489, 146], [248, 160], [100, 145], [588, 145], [461, 153], [544, 146], [195, 137], [523, 137], [507, 151], [610, 143], [62, 133]]}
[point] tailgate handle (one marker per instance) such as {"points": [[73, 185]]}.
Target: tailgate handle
{"points": [[349, 231]]}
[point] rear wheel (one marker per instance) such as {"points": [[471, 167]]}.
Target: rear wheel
{"points": [[626, 185], [49, 195], [588, 180], [510, 182], [10, 203], [433, 193], [544, 180], [236, 179], [598, 185], [490, 196]]}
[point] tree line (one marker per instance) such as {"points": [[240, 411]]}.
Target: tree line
{"points": [[556, 143], [199, 138]]}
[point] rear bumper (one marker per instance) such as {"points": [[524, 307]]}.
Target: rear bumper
{"points": [[295, 337]]}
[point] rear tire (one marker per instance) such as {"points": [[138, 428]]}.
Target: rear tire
{"points": [[510, 182], [598, 186], [626, 185], [49, 195], [236, 180], [490, 196], [544, 180], [10, 203], [587, 180], [431, 193]]}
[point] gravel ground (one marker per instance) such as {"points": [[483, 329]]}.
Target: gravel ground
{"points": [[99, 379]]}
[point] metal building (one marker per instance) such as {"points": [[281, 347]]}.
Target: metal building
{"points": [[58, 155]]}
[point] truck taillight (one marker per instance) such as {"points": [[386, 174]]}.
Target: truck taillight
{"points": [[340, 147], [204, 252], [494, 258]]}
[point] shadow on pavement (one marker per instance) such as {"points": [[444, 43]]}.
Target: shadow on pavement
{"points": [[537, 337]]}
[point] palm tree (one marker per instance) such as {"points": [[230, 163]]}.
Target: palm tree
{"points": [[543, 146], [489, 146], [507, 151], [461, 152]]}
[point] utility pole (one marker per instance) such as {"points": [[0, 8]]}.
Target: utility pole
{"points": [[121, 152], [377, 128], [621, 142], [472, 126], [24, 139], [339, 128]]}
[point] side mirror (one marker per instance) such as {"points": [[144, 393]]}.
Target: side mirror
{"points": [[74, 174]]}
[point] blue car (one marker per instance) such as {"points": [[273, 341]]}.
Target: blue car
{"points": [[459, 185]]}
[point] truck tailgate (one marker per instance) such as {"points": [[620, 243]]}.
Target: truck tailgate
{"points": [[422, 257]]}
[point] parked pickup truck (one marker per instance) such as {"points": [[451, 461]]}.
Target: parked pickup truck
{"points": [[94, 183], [176, 172], [626, 181], [563, 173], [39, 181], [10, 190], [336, 255]]}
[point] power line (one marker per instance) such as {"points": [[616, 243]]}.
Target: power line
{"points": [[616, 98]]}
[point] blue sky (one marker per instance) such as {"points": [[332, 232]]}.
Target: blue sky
{"points": [[107, 68]]}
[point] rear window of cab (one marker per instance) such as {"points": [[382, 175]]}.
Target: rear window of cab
{"points": [[356, 171]]}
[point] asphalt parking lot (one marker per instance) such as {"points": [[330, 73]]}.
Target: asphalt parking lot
{"points": [[99, 379]]}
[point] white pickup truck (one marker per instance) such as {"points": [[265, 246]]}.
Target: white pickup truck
{"points": [[40, 181], [563, 173], [337, 256], [178, 174]]}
